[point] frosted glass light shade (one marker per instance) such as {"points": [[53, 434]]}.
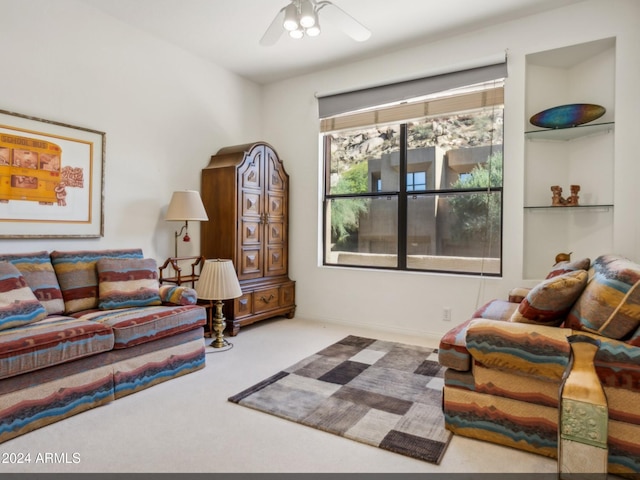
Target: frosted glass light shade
{"points": [[218, 281], [307, 14], [186, 205], [291, 18]]}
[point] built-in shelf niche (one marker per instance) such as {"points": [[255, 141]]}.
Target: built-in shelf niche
{"points": [[581, 155]]}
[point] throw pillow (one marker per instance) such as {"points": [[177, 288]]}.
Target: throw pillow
{"points": [[549, 302], [517, 294], [564, 267], [128, 282], [76, 272], [610, 305], [38, 271], [18, 305]]}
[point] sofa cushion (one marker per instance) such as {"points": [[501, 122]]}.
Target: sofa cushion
{"points": [[18, 305], [38, 271], [496, 310], [127, 282], [549, 302], [565, 267], [78, 277], [532, 350], [133, 326], [52, 341], [617, 364], [517, 294], [610, 304]]}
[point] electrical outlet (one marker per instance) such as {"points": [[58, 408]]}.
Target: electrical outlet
{"points": [[446, 314]]}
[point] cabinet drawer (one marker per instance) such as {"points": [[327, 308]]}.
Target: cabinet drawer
{"points": [[243, 305], [267, 299], [287, 295]]}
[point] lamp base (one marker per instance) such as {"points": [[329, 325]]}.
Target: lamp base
{"points": [[219, 325]]}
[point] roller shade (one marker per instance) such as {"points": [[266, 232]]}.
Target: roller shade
{"points": [[413, 111], [337, 104]]}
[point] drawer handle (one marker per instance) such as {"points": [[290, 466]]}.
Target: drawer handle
{"points": [[267, 300]]}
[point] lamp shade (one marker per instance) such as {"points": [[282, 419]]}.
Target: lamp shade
{"points": [[186, 205], [218, 281]]}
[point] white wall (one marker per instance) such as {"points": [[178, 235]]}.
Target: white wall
{"points": [[413, 302], [164, 111]]}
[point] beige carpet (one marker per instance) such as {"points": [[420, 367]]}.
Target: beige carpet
{"points": [[188, 425], [381, 393]]}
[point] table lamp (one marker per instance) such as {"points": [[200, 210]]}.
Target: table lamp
{"points": [[185, 205], [218, 281]]}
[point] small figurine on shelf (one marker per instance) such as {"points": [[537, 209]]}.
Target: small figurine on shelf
{"points": [[556, 199], [573, 199], [563, 257]]}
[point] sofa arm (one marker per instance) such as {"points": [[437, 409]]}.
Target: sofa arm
{"points": [[517, 294], [452, 350], [178, 295], [534, 350]]}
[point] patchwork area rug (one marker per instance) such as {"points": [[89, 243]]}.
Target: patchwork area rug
{"points": [[384, 394]]}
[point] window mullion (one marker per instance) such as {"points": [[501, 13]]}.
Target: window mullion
{"points": [[402, 200]]}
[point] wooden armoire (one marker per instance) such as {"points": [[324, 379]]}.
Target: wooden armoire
{"points": [[245, 190]]}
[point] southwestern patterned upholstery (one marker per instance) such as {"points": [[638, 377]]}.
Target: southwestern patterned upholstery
{"points": [[78, 275], [18, 305], [503, 377], [41, 277], [86, 353], [610, 305], [550, 301], [132, 282]]}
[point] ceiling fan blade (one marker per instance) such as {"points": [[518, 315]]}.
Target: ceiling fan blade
{"points": [[349, 25], [273, 33]]}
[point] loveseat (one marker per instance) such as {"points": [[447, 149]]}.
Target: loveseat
{"points": [[79, 329], [505, 364]]}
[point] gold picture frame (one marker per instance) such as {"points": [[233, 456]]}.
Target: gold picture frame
{"points": [[51, 179]]}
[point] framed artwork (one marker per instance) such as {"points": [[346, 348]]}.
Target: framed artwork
{"points": [[51, 179]]}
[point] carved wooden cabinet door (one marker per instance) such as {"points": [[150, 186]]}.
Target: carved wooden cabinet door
{"points": [[275, 216], [251, 235], [263, 242]]}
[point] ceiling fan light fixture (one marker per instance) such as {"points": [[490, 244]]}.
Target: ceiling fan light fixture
{"points": [[297, 34], [313, 31], [300, 18], [290, 22], [308, 17]]}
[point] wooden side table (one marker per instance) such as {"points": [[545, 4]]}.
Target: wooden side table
{"points": [[178, 278]]}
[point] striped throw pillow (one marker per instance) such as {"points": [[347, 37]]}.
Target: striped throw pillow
{"points": [[550, 301], [610, 305], [124, 283], [18, 305], [41, 277], [76, 272]]}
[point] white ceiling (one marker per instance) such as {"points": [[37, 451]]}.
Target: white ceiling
{"points": [[227, 32]]}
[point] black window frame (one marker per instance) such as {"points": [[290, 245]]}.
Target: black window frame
{"points": [[402, 196]]}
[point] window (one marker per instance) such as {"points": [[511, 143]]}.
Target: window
{"points": [[421, 193], [416, 181]]}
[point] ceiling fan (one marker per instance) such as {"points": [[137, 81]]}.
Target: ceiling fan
{"points": [[300, 18]]}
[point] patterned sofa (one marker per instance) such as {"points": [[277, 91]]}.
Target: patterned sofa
{"points": [[79, 329], [505, 364]]}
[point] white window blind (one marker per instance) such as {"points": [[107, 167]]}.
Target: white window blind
{"points": [[334, 109]]}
